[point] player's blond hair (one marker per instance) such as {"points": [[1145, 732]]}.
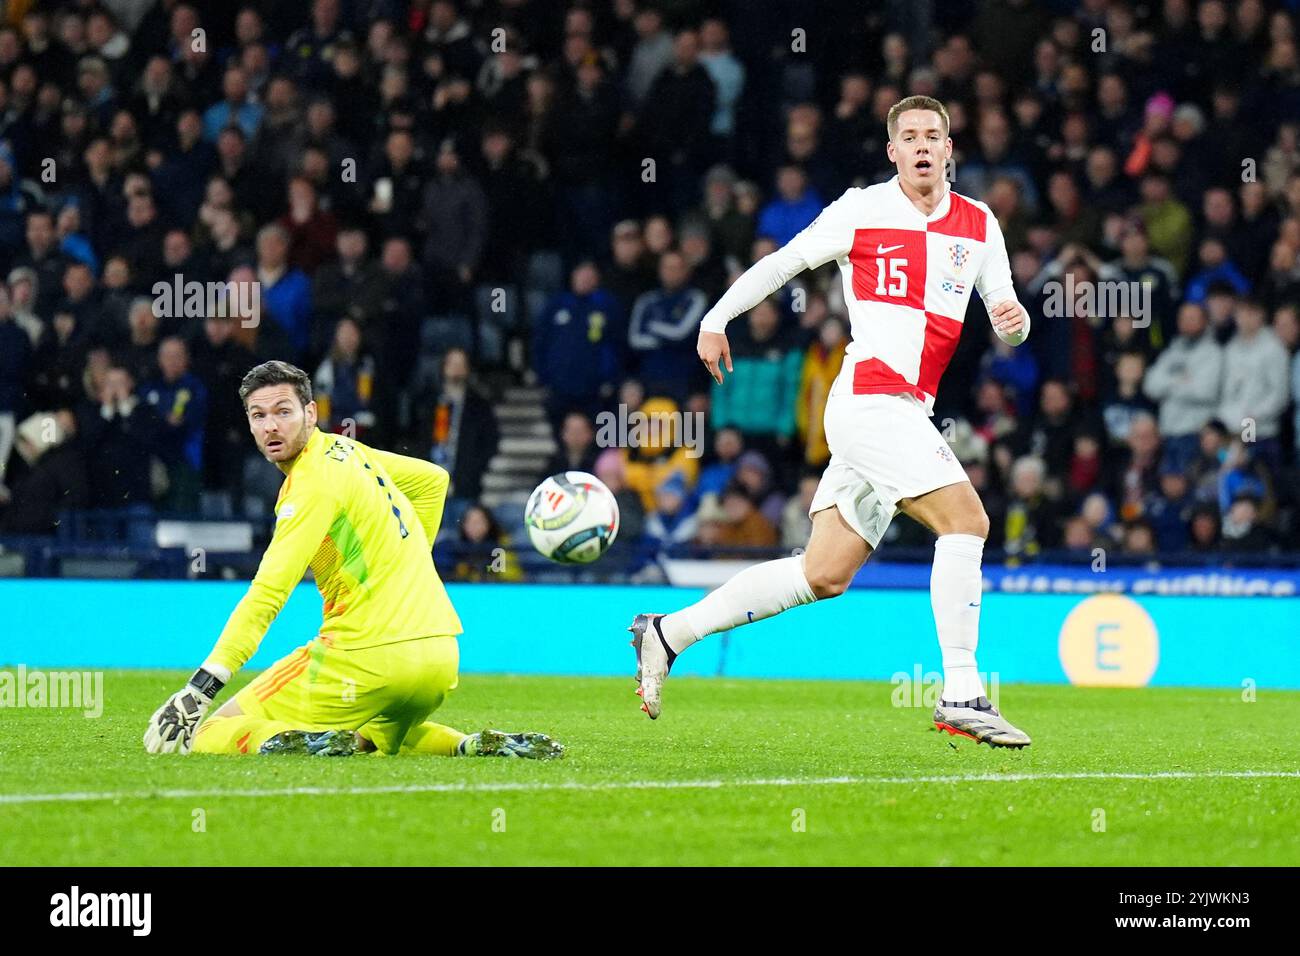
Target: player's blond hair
{"points": [[914, 103]]}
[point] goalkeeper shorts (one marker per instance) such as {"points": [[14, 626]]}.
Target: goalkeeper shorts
{"points": [[381, 691]]}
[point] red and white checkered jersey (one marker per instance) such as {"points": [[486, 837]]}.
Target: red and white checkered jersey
{"points": [[908, 278]]}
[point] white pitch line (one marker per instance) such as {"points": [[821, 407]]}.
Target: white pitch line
{"points": [[574, 785]]}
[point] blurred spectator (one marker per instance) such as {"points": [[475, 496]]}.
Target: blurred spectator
{"points": [[119, 434], [795, 205], [675, 120], [398, 186], [1205, 529], [140, 354], [312, 231], [1242, 530], [995, 158], [1214, 266], [180, 401], [1241, 472], [286, 292], [344, 385], [348, 284], [727, 73], [1139, 539], [44, 257], [1031, 518], [1186, 379], [23, 290], [742, 525], [578, 342], [221, 364], [821, 364], [673, 520], [1119, 409], [728, 444], [1167, 221], [455, 224], [236, 108], [485, 551], [632, 271], [1085, 465], [612, 471], [663, 329], [1136, 474], [1170, 510], [663, 452], [460, 430], [1078, 536], [796, 526], [754, 476], [55, 480], [577, 451], [651, 54], [760, 395], [401, 309], [1255, 380], [15, 357], [1050, 435]]}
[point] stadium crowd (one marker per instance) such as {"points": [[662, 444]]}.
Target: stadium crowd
{"points": [[437, 198]]}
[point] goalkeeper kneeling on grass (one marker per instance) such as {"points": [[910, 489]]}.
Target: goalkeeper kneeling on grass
{"points": [[386, 656]]}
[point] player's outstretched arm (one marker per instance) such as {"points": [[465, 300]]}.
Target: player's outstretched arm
{"points": [[306, 512], [827, 237], [423, 482]]}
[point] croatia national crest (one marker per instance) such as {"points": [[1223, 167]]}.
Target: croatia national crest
{"points": [[958, 254]]}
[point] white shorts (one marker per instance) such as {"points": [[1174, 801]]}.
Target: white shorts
{"points": [[884, 448]]}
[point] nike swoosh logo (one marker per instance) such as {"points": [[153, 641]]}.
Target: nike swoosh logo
{"points": [[751, 616], [972, 604], [881, 250]]}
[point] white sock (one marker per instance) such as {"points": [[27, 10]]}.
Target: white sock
{"points": [[956, 593], [753, 594]]}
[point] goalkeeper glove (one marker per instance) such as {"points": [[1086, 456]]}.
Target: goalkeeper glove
{"points": [[171, 728]]}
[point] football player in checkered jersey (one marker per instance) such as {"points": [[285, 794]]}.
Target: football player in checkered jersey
{"points": [[911, 252]]}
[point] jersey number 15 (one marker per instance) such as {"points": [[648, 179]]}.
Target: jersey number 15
{"points": [[897, 286]]}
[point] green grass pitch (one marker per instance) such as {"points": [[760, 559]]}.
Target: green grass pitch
{"points": [[736, 772]]}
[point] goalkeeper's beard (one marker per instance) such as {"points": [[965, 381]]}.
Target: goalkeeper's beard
{"points": [[291, 447]]}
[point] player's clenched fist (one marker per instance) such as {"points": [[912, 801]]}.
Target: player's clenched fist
{"points": [[1008, 317], [714, 352], [172, 726]]}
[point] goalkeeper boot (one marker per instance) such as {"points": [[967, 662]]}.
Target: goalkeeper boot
{"points": [[313, 743], [496, 743], [980, 721], [654, 659]]}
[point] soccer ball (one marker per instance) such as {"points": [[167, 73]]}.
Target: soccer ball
{"points": [[572, 518]]}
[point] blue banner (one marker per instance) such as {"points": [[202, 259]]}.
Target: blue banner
{"points": [[1114, 640], [1074, 579]]}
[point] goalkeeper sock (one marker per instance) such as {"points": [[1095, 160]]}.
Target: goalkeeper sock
{"points": [[956, 592], [754, 594], [431, 738]]}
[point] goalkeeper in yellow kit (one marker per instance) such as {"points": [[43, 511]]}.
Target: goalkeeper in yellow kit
{"points": [[386, 656]]}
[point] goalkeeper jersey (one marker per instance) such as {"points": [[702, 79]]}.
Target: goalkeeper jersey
{"points": [[362, 520]]}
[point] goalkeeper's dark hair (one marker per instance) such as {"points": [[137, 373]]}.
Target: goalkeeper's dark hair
{"points": [[276, 372]]}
